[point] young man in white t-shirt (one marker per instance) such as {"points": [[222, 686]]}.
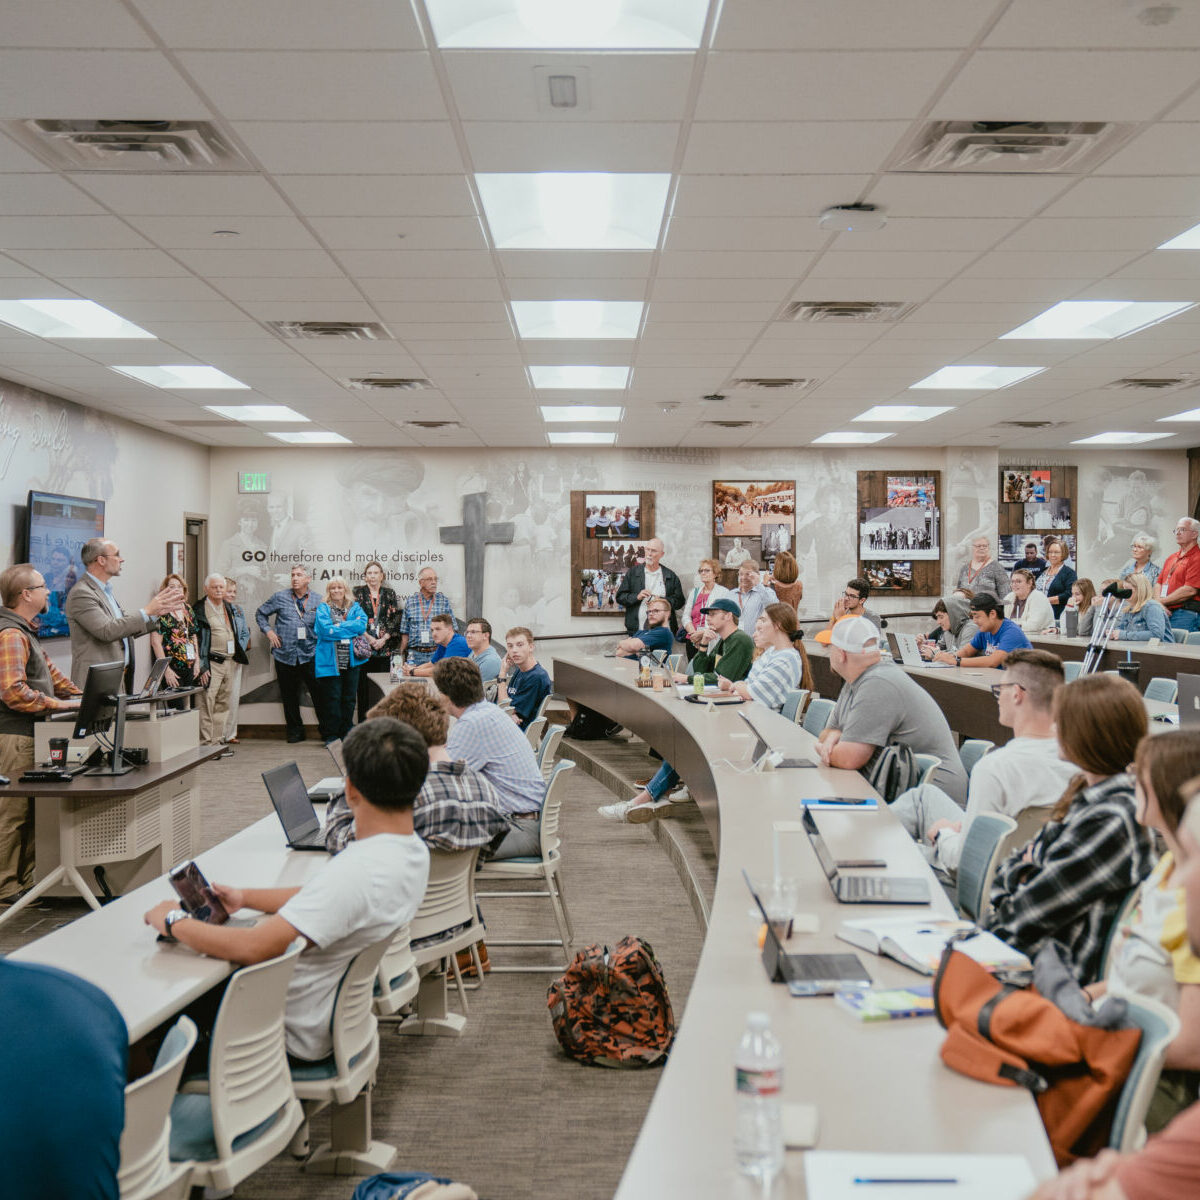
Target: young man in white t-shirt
{"points": [[359, 898], [1024, 773]]}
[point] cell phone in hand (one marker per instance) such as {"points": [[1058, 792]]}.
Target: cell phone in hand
{"points": [[196, 895]]}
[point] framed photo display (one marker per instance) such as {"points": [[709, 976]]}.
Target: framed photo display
{"points": [[900, 531], [752, 519], [1036, 505], [609, 532]]}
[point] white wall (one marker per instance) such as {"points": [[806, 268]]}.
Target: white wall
{"points": [[146, 479]]}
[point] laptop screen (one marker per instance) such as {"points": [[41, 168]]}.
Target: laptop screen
{"points": [[760, 747], [335, 752], [290, 798], [1188, 700], [827, 861]]}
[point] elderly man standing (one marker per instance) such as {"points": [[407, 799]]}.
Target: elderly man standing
{"points": [[293, 644], [100, 630], [217, 662], [643, 582], [30, 685], [752, 597], [1179, 580], [416, 622]]}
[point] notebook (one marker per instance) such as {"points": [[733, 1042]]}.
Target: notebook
{"points": [[918, 944], [863, 889], [301, 825]]}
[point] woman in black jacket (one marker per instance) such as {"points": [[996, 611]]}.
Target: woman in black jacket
{"points": [[383, 623]]}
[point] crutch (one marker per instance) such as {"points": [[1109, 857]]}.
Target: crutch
{"points": [[1102, 626]]}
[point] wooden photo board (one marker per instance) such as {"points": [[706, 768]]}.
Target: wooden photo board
{"points": [[1036, 504], [900, 523], [609, 527]]}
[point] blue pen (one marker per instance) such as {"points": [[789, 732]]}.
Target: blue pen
{"points": [[917, 1181]]}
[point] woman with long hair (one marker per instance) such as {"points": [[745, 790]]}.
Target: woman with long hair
{"points": [[1068, 884], [694, 625], [784, 579], [174, 638], [780, 662], [1056, 580], [382, 609], [340, 619], [1142, 617]]}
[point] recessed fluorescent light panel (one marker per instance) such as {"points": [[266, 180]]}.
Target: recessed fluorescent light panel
{"points": [[255, 412], [573, 413], [902, 412], [1189, 239], [1119, 439], [580, 438], [579, 319], [580, 378], [1192, 414], [1096, 319], [182, 375], [567, 24], [982, 378], [849, 437], [296, 438], [582, 210], [68, 319]]}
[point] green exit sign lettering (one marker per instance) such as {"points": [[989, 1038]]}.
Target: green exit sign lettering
{"points": [[254, 481]]}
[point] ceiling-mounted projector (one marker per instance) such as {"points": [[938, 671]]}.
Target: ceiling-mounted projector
{"points": [[853, 218]]}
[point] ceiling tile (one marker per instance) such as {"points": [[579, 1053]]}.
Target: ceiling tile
{"points": [[897, 264], [571, 146], [296, 290], [351, 147], [1088, 25], [67, 233], [813, 147], [98, 24], [715, 263], [1166, 149], [106, 263], [744, 233], [408, 233], [1093, 233], [253, 233], [272, 263], [386, 264], [1176, 196], [380, 195], [746, 196], [937, 195], [574, 266], [42, 195]]}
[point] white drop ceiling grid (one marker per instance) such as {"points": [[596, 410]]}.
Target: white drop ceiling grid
{"points": [[366, 138]]}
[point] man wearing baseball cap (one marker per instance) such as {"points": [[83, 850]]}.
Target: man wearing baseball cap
{"points": [[880, 704], [728, 657], [997, 638]]}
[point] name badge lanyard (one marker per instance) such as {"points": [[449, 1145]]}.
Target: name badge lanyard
{"points": [[374, 603], [301, 613], [424, 612]]}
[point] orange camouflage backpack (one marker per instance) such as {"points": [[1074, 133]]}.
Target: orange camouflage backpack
{"points": [[610, 1008]]}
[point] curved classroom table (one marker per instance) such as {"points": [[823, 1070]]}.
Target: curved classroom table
{"points": [[876, 1087]]}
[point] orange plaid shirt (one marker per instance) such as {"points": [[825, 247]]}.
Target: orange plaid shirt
{"points": [[15, 692]]}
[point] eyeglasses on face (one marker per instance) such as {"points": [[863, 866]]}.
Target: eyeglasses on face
{"points": [[997, 688]]}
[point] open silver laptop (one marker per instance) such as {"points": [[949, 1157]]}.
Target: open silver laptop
{"points": [[762, 746], [331, 786], [301, 825], [904, 647], [863, 889]]}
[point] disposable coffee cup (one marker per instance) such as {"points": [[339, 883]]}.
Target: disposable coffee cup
{"points": [[58, 751], [1131, 671], [1071, 622]]}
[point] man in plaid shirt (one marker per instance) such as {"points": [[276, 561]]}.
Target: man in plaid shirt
{"points": [[456, 808], [30, 685], [416, 621]]}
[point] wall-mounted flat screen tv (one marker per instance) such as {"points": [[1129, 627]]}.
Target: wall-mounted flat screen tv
{"points": [[56, 528]]}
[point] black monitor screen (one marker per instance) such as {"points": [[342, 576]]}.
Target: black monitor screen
{"points": [[98, 705], [56, 528]]}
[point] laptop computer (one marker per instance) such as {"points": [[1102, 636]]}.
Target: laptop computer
{"points": [[863, 889], [301, 825], [331, 786], [1188, 701], [761, 747], [154, 680], [904, 647], [807, 974]]}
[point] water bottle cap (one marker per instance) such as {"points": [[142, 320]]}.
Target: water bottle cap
{"points": [[758, 1021]]}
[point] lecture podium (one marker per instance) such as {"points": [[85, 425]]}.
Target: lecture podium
{"points": [[135, 826]]}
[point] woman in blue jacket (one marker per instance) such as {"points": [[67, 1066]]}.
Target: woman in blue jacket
{"points": [[338, 622], [1142, 617]]}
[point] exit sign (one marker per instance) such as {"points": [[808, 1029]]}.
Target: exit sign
{"points": [[254, 481]]}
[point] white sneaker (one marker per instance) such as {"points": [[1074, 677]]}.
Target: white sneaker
{"points": [[680, 795], [616, 812], [640, 814]]}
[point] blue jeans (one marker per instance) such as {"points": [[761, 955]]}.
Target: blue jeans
{"points": [[1181, 618], [665, 779]]}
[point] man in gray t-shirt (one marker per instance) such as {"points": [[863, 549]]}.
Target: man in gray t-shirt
{"points": [[880, 704]]}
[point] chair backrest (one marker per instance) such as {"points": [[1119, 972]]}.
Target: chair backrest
{"points": [[353, 1025], [1110, 939], [449, 898], [1029, 825], [534, 731], [926, 765], [397, 963], [249, 1080], [1192, 639], [676, 663], [972, 750], [541, 709], [1071, 669], [552, 806], [1166, 690], [793, 704], [980, 854], [145, 1142], [817, 716], [549, 748], [1160, 1027]]}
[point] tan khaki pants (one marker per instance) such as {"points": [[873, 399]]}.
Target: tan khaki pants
{"points": [[16, 818], [214, 702], [235, 699]]}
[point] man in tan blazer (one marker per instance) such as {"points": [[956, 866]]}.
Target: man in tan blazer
{"points": [[99, 627]]}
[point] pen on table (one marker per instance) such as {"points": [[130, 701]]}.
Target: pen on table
{"points": [[863, 1180]]}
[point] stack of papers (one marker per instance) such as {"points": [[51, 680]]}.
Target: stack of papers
{"points": [[918, 943], [837, 1175], [686, 689]]}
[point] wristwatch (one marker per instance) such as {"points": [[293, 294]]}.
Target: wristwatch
{"points": [[176, 914], [958, 660]]}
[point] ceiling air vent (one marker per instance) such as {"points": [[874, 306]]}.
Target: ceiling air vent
{"points": [[141, 146], [771, 385], [730, 424], [1028, 424], [350, 331], [1012, 147], [847, 310], [389, 384], [1150, 384], [434, 424]]}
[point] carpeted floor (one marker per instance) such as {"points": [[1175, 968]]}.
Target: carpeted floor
{"points": [[499, 1108]]}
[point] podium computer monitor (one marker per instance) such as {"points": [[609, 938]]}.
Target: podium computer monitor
{"points": [[101, 705]]}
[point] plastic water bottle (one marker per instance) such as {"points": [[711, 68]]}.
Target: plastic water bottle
{"points": [[758, 1140]]}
